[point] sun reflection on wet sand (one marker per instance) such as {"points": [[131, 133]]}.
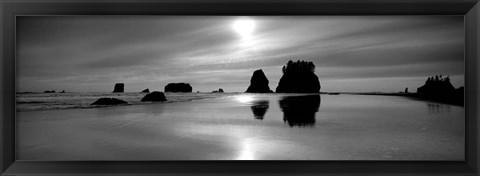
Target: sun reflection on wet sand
{"points": [[247, 151], [245, 98]]}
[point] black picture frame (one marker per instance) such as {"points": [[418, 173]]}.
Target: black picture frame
{"points": [[12, 8]]}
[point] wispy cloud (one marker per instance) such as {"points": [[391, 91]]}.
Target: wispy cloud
{"points": [[151, 51]]}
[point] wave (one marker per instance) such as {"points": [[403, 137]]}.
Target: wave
{"points": [[55, 101]]}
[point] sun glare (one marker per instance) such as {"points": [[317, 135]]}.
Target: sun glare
{"points": [[244, 27], [244, 98]]}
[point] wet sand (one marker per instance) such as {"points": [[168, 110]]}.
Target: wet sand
{"points": [[249, 126]]}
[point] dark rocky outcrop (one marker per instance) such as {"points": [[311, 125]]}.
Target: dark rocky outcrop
{"points": [[178, 87], [49, 91], [118, 88], [218, 91], [25, 92], [63, 91], [298, 77], [259, 109], [300, 110], [109, 101], [145, 91], [154, 96], [436, 85], [440, 89], [258, 83]]}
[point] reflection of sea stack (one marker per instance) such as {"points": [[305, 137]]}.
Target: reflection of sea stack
{"points": [[154, 96], [298, 77], [259, 108], [118, 88], [300, 110], [108, 101], [178, 87], [440, 89], [258, 83]]}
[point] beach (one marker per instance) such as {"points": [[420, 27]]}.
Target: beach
{"points": [[248, 127]]}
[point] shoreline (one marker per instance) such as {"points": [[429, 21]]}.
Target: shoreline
{"points": [[58, 104], [59, 101], [456, 101]]}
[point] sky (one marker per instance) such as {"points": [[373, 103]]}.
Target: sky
{"points": [[351, 53]]}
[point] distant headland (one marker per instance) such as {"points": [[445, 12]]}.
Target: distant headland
{"points": [[436, 88]]}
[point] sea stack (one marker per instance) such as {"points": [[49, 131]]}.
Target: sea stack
{"points": [[218, 91], [178, 87], [118, 88], [258, 83], [436, 85], [109, 101], [145, 91], [441, 89], [298, 77], [154, 96]]}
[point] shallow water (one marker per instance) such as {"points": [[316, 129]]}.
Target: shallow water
{"points": [[249, 126], [77, 100]]}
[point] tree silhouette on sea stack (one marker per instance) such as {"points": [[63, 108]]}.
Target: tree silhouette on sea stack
{"points": [[298, 77], [441, 89]]}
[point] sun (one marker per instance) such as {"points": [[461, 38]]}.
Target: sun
{"points": [[244, 27]]}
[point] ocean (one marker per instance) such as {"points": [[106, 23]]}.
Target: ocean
{"points": [[72, 100]]}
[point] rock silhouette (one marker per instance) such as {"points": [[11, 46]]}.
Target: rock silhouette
{"points": [[108, 101], [298, 77], [300, 110], [218, 91], [178, 87], [49, 91], [258, 83], [145, 91], [259, 109], [440, 89], [436, 85], [118, 88], [154, 96]]}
